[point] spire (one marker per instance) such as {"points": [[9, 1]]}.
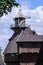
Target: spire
{"points": [[20, 14], [20, 19]]}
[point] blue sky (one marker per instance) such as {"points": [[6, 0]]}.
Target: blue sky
{"points": [[33, 3], [33, 8]]}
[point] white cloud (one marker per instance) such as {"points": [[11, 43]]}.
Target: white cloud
{"points": [[2, 37], [36, 21]]}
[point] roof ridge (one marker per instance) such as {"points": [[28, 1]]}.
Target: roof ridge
{"points": [[20, 35]]}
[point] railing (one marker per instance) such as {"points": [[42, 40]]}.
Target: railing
{"points": [[13, 25]]}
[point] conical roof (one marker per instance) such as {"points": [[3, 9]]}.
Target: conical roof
{"points": [[20, 14]]}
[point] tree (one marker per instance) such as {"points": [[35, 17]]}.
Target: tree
{"points": [[6, 6], [0, 50]]}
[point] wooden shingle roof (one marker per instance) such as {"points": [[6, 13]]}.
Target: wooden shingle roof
{"points": [[25, 36], [12, 46], [28, 36]]}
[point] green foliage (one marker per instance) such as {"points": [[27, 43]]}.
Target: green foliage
{"points": [[6, 6], [0, 50]]}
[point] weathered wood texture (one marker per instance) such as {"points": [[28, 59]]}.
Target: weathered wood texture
{"points": [[28, 57], [27, 63], [26, 50]]}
